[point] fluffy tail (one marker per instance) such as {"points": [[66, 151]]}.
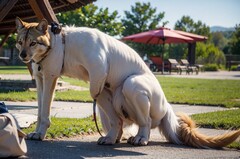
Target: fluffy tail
{"points": [[181, 129], [191, 137]]}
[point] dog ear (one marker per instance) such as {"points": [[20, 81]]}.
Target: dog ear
{"points": [[42, 26], [19, 24]]}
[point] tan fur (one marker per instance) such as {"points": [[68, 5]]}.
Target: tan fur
{"points": [[191, 137]]}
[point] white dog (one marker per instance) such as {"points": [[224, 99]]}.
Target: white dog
{"points": [[125, 89]]}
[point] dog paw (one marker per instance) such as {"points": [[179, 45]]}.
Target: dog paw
{"points": [[34, 136], [105, 141], [137, 141]]}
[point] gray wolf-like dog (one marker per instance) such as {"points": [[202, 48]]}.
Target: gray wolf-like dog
{"points": [[126, 90]]}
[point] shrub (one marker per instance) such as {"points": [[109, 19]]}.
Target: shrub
{"points": [[208, 53], [211, 67], [235, 68]]}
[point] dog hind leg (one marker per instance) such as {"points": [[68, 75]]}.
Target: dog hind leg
{"points": [[111, 122], [138, 99]]}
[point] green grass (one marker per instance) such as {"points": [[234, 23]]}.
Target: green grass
{"points": [[229, 119], [22, 96], [224, 93], [72, 95], [67, 127], [14, 70], [75, 82]]}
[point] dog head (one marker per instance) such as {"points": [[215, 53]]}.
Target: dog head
{"points": [[33, 40]]}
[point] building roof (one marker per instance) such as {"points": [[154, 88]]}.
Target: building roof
{"points": [[31, 10]]}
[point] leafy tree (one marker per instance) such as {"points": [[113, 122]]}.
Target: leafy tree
{"points": [[186, 23], [142, 17], [219, 40], [91, 16], [235, 41]]}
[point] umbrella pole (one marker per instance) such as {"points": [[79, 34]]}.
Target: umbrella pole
{"points": [[163, 59]]}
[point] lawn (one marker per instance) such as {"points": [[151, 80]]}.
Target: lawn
{"points": [[13, 70], [229, 119], [224, 93], [67, 127]]}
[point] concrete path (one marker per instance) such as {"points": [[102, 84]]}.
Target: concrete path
{"points": [[26, 112], [235, 75], [86, 146]]}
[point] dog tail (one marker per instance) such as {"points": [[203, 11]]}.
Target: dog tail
{"points": [[181, 129], [191, 137], [170, 127]]}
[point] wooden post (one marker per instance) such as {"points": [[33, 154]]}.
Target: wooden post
{"points": [[43, 9], [191, 53], [6, 7]]}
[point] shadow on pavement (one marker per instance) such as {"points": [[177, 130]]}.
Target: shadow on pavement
{"points": [[76, 149]]}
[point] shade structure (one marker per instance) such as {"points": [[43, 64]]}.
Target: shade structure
{"points": [[159, 36], [195, 37]]}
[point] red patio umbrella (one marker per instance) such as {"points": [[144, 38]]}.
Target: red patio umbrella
{"points": [[159, 36], [195, 37]]}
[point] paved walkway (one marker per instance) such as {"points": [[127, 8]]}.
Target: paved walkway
{"points": [[26, 112], [235, 75], [86, 146]]}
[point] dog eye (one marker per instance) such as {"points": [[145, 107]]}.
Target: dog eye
{"points": [[19, 42], [33, 43]]}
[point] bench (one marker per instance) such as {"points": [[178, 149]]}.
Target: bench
{"points": [[232, 60], [190, 68], [174, 65], [4, 60]]}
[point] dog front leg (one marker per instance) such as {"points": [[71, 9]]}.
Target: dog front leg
{"points": [[49, 84], [39, 83], [111, 122]]}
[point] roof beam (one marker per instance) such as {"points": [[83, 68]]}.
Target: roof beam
{"points": [[5, 7], [43, 9]]}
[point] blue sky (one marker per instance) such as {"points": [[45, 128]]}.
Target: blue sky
{"points": [[224, 13]]}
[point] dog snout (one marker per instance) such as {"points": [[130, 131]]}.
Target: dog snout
{"points": [[23, 54]]}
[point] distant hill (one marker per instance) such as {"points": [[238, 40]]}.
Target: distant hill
{"points": [[220, 28]]}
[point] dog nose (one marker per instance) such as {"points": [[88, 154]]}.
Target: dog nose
{"points": [[23, 54]]}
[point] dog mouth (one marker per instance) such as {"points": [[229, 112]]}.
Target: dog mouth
{"points": [[26, 61]]}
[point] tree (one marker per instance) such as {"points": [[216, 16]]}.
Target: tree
{"points": [[235, 41], [91, 16], [186, 23], [219, 40], [142, 17]]}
